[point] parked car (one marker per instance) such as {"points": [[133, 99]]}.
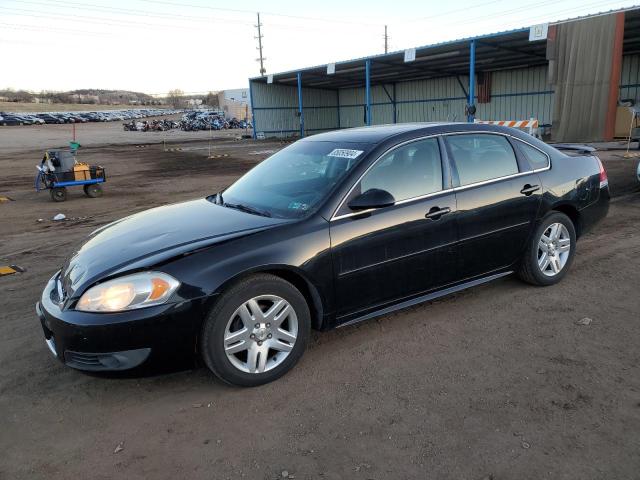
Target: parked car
{"points": [[49, 118], [34, 119], [10, 120], [334, 229]]}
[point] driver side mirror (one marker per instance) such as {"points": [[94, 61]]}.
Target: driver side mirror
{"points": [[372, 198]]}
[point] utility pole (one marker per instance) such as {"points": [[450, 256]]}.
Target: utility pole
{"points": [[386, 40], [259, 38]]}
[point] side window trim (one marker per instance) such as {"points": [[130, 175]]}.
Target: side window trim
{"points": [[517, 143], [446, 182]]}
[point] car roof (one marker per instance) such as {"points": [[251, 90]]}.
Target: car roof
{"points": [[380, 133]]}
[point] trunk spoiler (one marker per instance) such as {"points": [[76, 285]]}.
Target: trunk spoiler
{"points": [[574, 148]]}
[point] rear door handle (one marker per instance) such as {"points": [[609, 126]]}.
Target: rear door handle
{"points": [[529, 189], [436, 212]]}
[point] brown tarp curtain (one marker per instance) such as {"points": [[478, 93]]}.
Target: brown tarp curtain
{"points": [[580, 58]]}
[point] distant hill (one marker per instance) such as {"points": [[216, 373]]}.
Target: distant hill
{"points": [[91, 96], [112, 94]]}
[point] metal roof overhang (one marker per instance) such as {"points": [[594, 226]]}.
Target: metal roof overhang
{"points": [[499, 51], [493, 52]]}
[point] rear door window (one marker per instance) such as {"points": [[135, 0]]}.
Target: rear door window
{"points": [[481, 157]]}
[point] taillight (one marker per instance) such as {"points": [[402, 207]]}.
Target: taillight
{"points": [[604, 180]]}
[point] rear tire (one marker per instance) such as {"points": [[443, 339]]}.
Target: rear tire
{"points": [[58, 194], [241, 346], [550, 251], [92, 191]]}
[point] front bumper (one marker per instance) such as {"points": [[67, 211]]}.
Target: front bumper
{"points": [[119, 341]]}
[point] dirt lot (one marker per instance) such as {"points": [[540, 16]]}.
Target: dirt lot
{"points": [[496, 382]]}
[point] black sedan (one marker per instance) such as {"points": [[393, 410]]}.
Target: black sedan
{"points": [[332, 230], [49, 118]]}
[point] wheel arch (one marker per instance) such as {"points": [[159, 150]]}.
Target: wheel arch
{"points": [[295, 277], [572, 212]]}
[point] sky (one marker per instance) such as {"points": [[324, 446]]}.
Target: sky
{"points": [[154, 46]]}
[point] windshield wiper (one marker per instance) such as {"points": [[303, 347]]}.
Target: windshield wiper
{"points": [[247, 209]]}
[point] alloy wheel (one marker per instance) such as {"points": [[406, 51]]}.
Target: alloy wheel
{"points": [[554, 248], [260, 334]]}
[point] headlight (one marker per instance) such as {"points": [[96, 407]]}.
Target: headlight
{"points": [[129, 292]]}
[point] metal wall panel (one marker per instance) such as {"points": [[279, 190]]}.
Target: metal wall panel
{"points": [[352, 103], [275, 109], [630, 78], [432, 100], [517, 94]]}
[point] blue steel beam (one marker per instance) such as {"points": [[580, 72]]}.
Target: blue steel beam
{"points": [[472, 77], [300, 110], [368, 91]]}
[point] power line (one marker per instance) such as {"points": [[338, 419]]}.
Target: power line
{"points": [[530, 7], [88, 19], [457, 10], [119, 22], [236, 10]]}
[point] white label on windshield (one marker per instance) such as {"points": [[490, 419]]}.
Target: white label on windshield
{"points": [[345, 153]]}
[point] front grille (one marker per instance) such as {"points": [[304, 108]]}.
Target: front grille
{"points": [[106, 361]]}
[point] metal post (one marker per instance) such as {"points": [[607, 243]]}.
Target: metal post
{"points": [[472, 78], [338, 106], [253, 113], [300, 111], [259, 37], [368, 91], [386, 40]]}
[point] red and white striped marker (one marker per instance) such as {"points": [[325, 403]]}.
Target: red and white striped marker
{"points": [[531, 124]]}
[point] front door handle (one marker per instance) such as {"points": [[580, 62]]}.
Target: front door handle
{"points": [[529, 189], [436, 212]]}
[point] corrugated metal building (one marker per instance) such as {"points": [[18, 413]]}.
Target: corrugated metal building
{"points": [[506, 76]]}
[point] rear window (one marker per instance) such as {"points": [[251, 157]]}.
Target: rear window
{"points": [[536, 158], [481, 157]]}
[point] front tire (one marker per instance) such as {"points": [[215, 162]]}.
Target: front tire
{"points": [[550, 251], [58, 194], [256, 331]]}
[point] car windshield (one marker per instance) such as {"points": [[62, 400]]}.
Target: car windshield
{"points": [[296, 180]]}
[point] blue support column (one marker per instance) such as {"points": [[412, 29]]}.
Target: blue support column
{"points": [[253, 113], [472, 78], [300, 110], [368, 91]]}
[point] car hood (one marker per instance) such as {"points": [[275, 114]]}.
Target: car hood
{"points": [[153, 236]]}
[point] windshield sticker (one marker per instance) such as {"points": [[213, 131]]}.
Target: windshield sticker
{"points": [[345, 153], [298, 206]]}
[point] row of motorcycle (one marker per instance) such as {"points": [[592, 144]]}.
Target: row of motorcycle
{"points": [[150, 126], [187, 124]]}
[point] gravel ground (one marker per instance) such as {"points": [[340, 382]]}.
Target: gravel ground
{"points": [[500, 381]]}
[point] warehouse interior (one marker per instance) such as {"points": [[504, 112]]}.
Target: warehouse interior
{"points": [[570, 76]]}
